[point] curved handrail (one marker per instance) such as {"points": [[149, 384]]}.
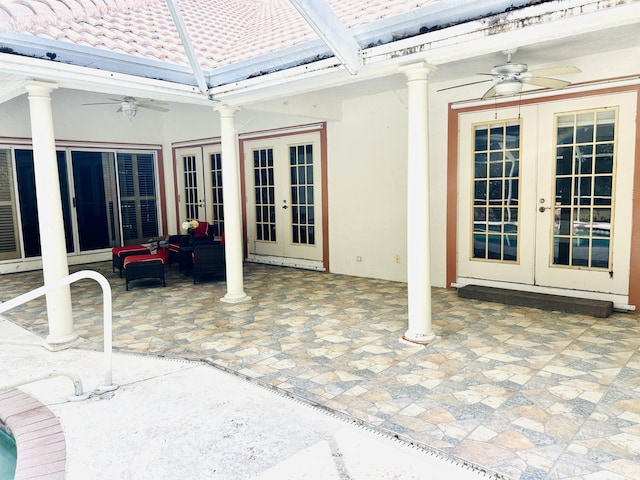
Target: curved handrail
{"points": [[107, 307]]}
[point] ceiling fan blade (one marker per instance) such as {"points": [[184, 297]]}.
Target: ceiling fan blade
{"points": [[464, 85], [100, 103], [150, 106], [546, 82], [489, 93], [544, 72]]}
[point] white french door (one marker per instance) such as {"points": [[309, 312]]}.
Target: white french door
{"points": [[545, 195], [284, 200], [200, 185], [191, 185]]}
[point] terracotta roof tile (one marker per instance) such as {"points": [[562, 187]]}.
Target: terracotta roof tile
{"points": [[223, 32]]}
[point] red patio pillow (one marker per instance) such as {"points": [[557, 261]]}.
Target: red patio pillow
{"points": [[201, 229]]}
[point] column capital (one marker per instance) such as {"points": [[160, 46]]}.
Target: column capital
{"points": [[40, 88], [226, 110], [417, 70]]}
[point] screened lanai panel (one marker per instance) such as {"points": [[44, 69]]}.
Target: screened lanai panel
{"points": [[9, 245]]}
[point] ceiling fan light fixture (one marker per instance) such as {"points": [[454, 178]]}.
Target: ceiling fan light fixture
{"points": [[129, 109], [508, 87]]}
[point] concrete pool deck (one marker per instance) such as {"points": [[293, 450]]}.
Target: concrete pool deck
{"points": [[174, 419]]}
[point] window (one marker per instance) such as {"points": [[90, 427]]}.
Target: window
{"points": [[496, 181]]}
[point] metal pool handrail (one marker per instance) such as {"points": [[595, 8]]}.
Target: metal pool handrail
{"points": [[107, 313]]}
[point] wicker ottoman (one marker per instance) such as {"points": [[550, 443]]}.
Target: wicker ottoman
{"points": [[118, 255], [137, 267]]}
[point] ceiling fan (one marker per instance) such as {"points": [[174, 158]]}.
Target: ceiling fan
{"points": [[129, 105], [509, 77]]}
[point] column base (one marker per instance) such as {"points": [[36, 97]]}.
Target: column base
{"points": [[235, 298], [55, 344], [418, 339]]}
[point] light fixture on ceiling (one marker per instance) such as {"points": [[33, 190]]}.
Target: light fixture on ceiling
{"points": [[508, 87], [129, 108]]}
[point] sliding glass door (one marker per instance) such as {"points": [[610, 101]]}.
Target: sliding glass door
{"points": [[109, 198]]}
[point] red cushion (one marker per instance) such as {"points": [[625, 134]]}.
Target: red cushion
{"points": [[128, 249], [143, 258], [201, 229]]}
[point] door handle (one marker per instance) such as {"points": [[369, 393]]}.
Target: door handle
{"points": [[542, 207]]}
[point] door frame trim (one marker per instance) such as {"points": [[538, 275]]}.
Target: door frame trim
{"points": [[452, 182]]}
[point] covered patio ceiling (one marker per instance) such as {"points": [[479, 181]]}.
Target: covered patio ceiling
{"points": [[352, 57]]}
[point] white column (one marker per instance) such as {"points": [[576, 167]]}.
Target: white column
{"points": [[52, 237], [232, 207], [420, 331]]}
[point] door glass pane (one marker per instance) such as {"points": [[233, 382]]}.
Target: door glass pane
{"points": [[216, 202], [27, 199], [28, 206], [95, 199], [301, 169], [581, 234], [265, 201], [190, 181], [496, 171]]}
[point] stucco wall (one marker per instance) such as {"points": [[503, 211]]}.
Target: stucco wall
{"points": [[77, 122]]}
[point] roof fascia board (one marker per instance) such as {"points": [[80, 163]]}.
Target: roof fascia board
{"points": [[183, 32], [438, 15], [284, 83], [485, 36], [330, 29], [93, 80]]}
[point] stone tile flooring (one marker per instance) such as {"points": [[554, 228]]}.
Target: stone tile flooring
{"points": [[522, 393]]}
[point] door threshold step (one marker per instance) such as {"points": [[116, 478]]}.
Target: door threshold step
{"points": [[543, 301]]}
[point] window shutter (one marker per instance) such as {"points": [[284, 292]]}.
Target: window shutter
{"points": [[9, 248]]}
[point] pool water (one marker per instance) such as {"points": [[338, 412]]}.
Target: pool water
{"points": [[8, 455]]}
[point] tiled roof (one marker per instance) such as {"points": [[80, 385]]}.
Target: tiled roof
{"points": [[223, 32]]}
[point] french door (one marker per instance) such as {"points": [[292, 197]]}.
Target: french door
{"points": [[545, 195], [200, 185], [284, 200]]}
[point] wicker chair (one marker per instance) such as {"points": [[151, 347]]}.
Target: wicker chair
{"points": [[208, 261]]}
